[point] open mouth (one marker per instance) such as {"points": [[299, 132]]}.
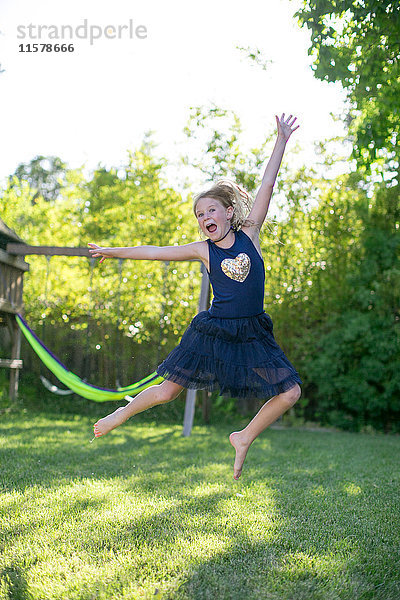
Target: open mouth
{"points": [[211, 228]]}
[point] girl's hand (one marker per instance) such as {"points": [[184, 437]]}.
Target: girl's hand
{"points": [[97, 251], [285, 128]]}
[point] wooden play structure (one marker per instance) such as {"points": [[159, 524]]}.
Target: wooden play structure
{"points": [[12, 269]]}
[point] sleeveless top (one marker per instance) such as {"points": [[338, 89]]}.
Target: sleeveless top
{"points": [[237, 277]]}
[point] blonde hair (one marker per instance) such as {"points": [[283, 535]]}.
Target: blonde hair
{"points": [[228, 194]]}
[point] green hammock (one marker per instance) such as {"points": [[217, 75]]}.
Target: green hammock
{"points": [[72, 381]]}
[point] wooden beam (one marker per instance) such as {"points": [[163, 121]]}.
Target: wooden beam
{"points": [[13, 261], [11, 363], [8, 233], [9, 308], [24, 249]]}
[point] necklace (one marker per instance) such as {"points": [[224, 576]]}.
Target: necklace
{"points": [[223, 237]]}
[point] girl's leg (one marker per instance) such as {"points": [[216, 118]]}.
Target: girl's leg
{"points": [[268, 414], [156, 394]]}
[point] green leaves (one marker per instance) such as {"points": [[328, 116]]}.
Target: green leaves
{"points": [[221, 152], [358, 44]]}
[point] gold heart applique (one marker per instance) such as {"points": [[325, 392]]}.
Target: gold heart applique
{"points": [[237, 268]]}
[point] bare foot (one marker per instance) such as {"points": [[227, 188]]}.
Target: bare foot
{"points": [[241, 448], [108, 423]]}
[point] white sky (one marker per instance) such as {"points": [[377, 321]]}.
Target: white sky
{"points": [[91, 106]]}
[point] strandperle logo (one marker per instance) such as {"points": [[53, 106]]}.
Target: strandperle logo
{"points": [[85, 31]]}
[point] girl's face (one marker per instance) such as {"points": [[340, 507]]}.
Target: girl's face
{"points": [[213, 218]]}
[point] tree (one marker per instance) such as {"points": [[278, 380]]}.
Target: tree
{"points": [[357, 353], [45, 175], [222, 155], [357, 43]]}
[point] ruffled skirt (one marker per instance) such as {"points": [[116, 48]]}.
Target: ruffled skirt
{"points": [[238, 357]]}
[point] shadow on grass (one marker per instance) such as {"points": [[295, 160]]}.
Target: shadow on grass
{"points": [[312, 509], [14, 581], [48, 453]]}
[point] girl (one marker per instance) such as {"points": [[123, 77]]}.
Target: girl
{"points": [[230, 347]]}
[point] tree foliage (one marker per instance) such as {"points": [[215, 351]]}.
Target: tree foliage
{"points": [[221, 153], [354, 345], [45, 176], [357, 43]]}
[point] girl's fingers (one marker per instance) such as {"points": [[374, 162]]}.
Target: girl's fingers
{"points": [[94, 252], [286, 127], [97, 254], [287, 122]]}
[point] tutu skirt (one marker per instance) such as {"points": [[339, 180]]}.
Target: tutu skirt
{"points": [[239, 357]]}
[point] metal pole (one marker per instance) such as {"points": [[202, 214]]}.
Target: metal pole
{"points": [[191, 394]]}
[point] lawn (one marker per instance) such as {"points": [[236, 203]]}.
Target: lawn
{"points": [[146, 513]]}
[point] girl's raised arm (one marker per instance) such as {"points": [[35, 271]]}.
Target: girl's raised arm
{"points": [[261, 203], [191, 251]]}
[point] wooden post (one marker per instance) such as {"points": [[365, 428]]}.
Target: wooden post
{"points": [[15, 333], [191, 394], [206, 405]]}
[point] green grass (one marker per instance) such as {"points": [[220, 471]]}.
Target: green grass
{"points": [[146, 513]]}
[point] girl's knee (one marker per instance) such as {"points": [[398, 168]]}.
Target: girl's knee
{"points": [[168, 391], [292, 395]]}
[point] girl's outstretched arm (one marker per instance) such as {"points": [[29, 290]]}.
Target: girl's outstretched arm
{"points": [[191, 251], [261, 203]]}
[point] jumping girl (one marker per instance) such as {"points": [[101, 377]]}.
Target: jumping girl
{"points": [[230, 347]]}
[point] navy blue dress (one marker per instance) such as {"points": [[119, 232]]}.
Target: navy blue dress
{"points": [[231, 347]]}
